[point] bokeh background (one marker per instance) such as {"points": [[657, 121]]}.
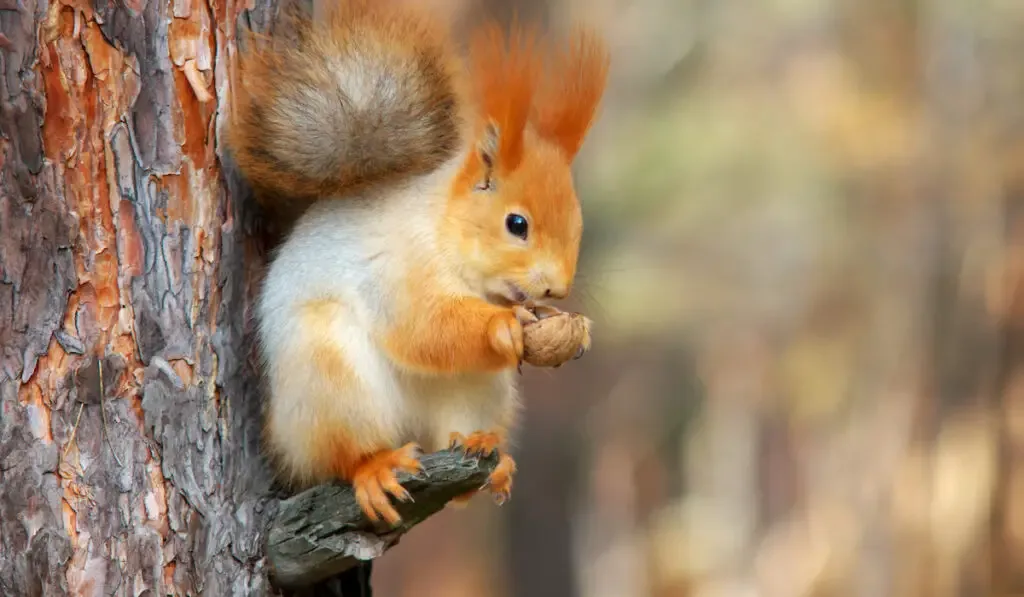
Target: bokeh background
{"points": [[804, 248]]}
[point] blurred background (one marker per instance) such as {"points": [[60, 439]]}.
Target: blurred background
{"points": [[804, 243]]}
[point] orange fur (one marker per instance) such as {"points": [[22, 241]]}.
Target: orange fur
{"points": [[457, 335], [567, 102], [540, 189], [505, 72], [374, 479], [478, 443], [318, 316], [540, 118], [372, 100], [499, 483], [337, 450], [338, 454]]}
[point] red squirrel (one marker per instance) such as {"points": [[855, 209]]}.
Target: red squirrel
{"points": [[436, 199]]}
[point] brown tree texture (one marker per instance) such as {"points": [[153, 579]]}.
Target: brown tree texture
{"points": [[128, 454]]}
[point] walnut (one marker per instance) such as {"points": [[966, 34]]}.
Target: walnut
{"points": [[552, 337]]}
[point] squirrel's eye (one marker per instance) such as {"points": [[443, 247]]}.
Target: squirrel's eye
{"points": [[516, 225]]}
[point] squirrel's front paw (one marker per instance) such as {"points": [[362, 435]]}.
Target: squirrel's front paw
{"points": [[506, 336]]}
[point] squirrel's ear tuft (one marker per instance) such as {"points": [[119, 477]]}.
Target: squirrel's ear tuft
{"points": [[574, 84], [505, 72], [488, 145], [487, 148]]}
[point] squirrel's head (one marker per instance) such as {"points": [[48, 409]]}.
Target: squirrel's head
{"points": [[514, 213]]}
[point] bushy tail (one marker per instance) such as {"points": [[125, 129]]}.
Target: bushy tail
{"points": [[370, 96]]}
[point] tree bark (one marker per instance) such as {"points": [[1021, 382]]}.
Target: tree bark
{"points": [[321, 532], [129, 257], [129, 458], [129, 406]]}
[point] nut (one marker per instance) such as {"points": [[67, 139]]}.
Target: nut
{"points": [[556, 339]]}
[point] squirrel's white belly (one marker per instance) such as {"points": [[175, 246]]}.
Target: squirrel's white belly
{"points": [[335, 281], [458, 403]]}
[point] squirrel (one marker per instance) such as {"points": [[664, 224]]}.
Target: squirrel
{"points": [[436, 199]]}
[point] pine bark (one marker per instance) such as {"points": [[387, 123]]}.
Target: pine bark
{"points": [[129, 452]]}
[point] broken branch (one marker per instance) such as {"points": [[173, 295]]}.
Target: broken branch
{"points": [[322, 532]]}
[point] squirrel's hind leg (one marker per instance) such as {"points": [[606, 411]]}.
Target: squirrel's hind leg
{"points": [[474, 414], [374, 479], [335, 411], [485, 443]]}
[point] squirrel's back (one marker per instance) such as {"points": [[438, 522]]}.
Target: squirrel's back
{"points": [[366, 98]]}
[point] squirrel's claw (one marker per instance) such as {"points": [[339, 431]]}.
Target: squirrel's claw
{"points": [[545, 311], [586, 343], [500, 481], [375, 479], [524, 314], [477, 444]]}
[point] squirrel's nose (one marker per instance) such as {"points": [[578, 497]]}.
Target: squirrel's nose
{"points": [[559, 292]]}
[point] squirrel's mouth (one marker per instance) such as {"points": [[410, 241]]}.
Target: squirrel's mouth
{"points": [[512, 294]]}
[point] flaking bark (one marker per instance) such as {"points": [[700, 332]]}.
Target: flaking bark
{"points": [[123, 246]]}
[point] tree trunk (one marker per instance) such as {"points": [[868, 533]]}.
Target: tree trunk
{"points": [[129, 395], [129, 459]]}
